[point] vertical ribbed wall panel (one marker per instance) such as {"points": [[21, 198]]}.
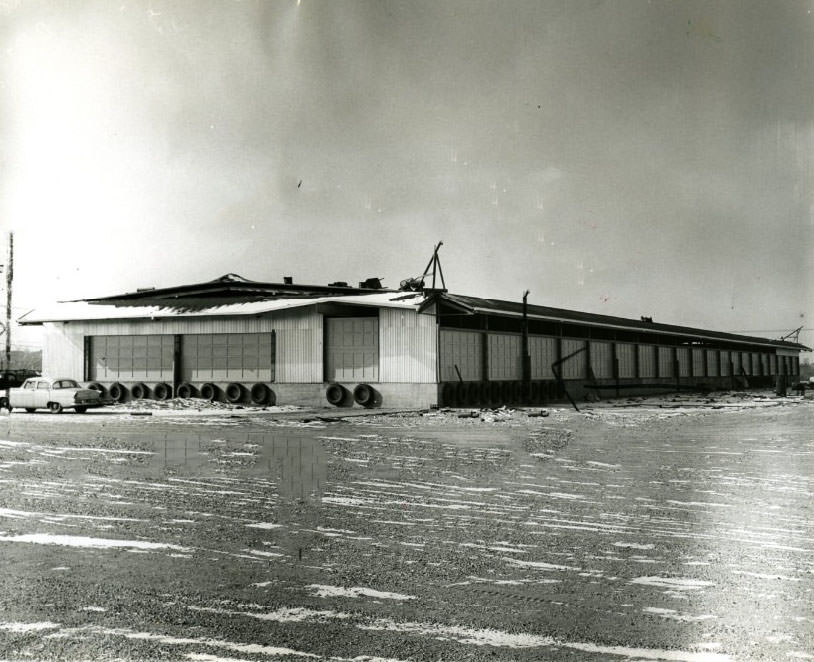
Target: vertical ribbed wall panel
{"points": [[462, 349], [725, 363], [698, 369], [577, 366], [684, 361], [63, 350], [504, 356], [543, 352], [712, 363], [666, 367], [602, 359], [407, 347], [626, 353], [736, 362], [647, 361]]}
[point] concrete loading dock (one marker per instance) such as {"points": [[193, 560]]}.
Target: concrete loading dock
{"points": [[284, 343]]}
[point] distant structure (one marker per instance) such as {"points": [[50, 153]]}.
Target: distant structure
{"points": [[264, 343]]}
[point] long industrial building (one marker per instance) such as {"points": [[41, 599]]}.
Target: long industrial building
{"points": [[284, 343]]}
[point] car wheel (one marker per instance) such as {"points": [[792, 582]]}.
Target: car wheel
{"points": [[80, 410], [55, 407], [30, 410]]}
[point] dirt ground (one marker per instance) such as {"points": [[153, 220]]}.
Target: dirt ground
{"points": [[675, 528]]}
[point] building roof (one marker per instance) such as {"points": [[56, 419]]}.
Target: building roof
{"points": [[230, 286], [515, 309], [69, 311], [231, 295]]}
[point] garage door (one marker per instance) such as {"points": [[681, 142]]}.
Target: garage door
{"points": [[131, 357], [352, 349], [228, 357]]}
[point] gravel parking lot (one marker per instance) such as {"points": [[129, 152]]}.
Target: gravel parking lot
{"points": [[647, 529]]}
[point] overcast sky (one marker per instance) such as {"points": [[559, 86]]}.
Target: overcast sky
{"points": [[627, 157]]}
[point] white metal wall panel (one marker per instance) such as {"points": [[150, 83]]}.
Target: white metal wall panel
{"points": [[666, 367], [684, 361], [626, 353], [543, 352], [352, 349], [462, 349], [601, 359], [227, 357], [504, 356], [712, 363], [698, 369], [724, 363], [577, 366], [63, 350], [647, 361], [407, 347]]}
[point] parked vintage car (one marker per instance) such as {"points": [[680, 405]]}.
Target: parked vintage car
{"points": [[53, 394]]}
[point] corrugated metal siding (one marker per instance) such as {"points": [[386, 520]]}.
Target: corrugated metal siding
{"points": [[764, 364], [647, 361], [504, 356], [773, 364], [684, 361], [736, 362], [698, 368], [601, 359], [712, 363], [724, 356], [577, 366], [543, 351], [755, 363], [407, 347], [63, 348], [666, 367], [462, 349], [626, 354]]}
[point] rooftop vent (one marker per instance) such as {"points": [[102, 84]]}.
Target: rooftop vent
{"points": [[144, 289], [371, 284], [339, 283], [288, 280]]}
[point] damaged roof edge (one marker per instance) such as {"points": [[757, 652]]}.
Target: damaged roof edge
{"points": [[87, 311]]}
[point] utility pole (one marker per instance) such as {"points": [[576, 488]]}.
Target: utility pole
{"points": [[9, 278], [524, 351]]}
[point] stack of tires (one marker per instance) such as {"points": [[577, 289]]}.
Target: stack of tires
{"points": [[363, 394]]}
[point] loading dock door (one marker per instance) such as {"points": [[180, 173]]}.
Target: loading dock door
{"points": [[147, 358], [351, 349]]}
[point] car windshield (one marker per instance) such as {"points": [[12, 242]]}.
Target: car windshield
{"points": [[65, 383]]}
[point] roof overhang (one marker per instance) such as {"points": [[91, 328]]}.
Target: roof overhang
{"points": [[86, 311]]}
